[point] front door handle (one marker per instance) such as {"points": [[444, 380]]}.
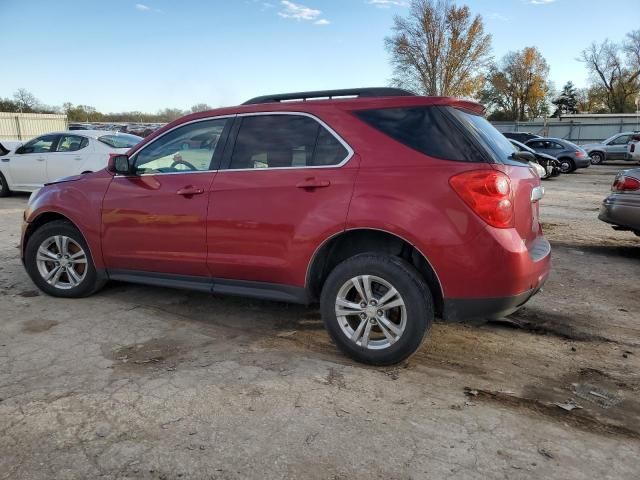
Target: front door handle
{"points": [[190, 191], [40, 159], [312, 183]]}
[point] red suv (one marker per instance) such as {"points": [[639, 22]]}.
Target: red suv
{"points": [[386, 207]]}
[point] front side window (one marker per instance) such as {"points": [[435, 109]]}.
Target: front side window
{"points": [[72, 143], [44, 144], [187, 148], [622, 140], [281, 141]]}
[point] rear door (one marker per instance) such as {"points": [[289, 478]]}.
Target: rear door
{"points": [[286, 186], [68, 157]]}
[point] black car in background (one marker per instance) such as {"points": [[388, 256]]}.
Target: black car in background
{"points": [[521, 137], [549, 163]]}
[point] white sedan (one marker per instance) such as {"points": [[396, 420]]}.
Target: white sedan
{"points": [[27, 167]]}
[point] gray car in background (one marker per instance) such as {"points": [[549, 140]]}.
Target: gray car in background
{"points": [[613, 148], [622, 208], [570, 156]]}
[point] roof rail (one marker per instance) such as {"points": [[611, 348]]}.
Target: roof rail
{"points": [[331, 94]]}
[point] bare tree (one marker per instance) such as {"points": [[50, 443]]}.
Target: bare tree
{"points": [[200, 107], [616, 67], [25, 100], [439, 49]]}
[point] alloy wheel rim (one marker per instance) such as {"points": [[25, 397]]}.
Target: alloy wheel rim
{"points": [[596, 158], [61, 262], [371, 312]]}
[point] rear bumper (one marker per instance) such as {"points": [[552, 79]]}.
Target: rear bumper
{"points": [[582, 162], [461, 309], [521, 275], [622, 212]]}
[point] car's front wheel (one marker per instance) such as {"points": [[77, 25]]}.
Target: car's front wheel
{"points": [[377, 308], [596, 158], [58, 260], [4, 187]]}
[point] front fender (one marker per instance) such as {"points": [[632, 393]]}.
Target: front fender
{"points": [[80, 201]]}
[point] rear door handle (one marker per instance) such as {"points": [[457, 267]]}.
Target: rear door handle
{"points": [[40, 159], [311, 183], [190, 190]]}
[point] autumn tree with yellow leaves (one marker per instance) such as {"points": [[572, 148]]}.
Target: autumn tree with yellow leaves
{"points": [[517, 88], [439, 49]]}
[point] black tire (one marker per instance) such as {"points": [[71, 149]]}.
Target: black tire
{"points": [[567, 165], [413, 290], [91, 282], [596, 158], [4, 187]]}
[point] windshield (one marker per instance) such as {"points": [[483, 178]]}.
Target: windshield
{"points": [[120, 140], [487, 133]]}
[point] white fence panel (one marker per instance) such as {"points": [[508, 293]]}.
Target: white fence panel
{"points": [[25, 126]]}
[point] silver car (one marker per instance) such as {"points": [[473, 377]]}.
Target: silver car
{"points": [[613, 148], [622, 208]]}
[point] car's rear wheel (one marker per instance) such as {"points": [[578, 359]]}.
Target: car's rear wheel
{"points": [[596, 158], [4, 187], [567, 165], [377, 308], [58, 260]]}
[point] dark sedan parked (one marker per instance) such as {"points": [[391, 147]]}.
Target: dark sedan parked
{"points": [[622, 207], [570, 156], [549, 163]]}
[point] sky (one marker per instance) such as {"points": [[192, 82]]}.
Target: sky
{"points": [[127, 55]]}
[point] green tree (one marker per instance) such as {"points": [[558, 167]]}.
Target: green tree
{"points": [[567, 102]]}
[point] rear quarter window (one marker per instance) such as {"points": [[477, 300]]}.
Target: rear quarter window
{"points": [[429, 130]]}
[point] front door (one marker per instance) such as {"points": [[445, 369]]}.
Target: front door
{"points": [[617, 148], [155, 220], [287, 185], [28, 165]]}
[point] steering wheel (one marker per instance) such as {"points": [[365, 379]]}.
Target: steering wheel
{"points": [[177, 162]]}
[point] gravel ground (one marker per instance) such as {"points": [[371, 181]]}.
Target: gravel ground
{"points": [[140, 382]]}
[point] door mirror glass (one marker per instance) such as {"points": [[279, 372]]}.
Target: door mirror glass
{"points": [[119, 164]]}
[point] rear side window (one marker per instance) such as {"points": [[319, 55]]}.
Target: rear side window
{"points": [[426, 129], [285, 141], [120, 140]]}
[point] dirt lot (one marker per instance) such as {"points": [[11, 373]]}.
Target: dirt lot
{"points": [[140, 382]]}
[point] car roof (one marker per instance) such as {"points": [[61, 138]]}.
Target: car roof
{"points": [[551, 139], [89, 133], [319, 106]]}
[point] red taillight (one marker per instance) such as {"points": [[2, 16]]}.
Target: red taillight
{"points": [[579, 154], [489, 195], [625, 184]]}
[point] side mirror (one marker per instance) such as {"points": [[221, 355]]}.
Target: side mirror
{"points": [[21, 149], [119, 164], [524, 156]]}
